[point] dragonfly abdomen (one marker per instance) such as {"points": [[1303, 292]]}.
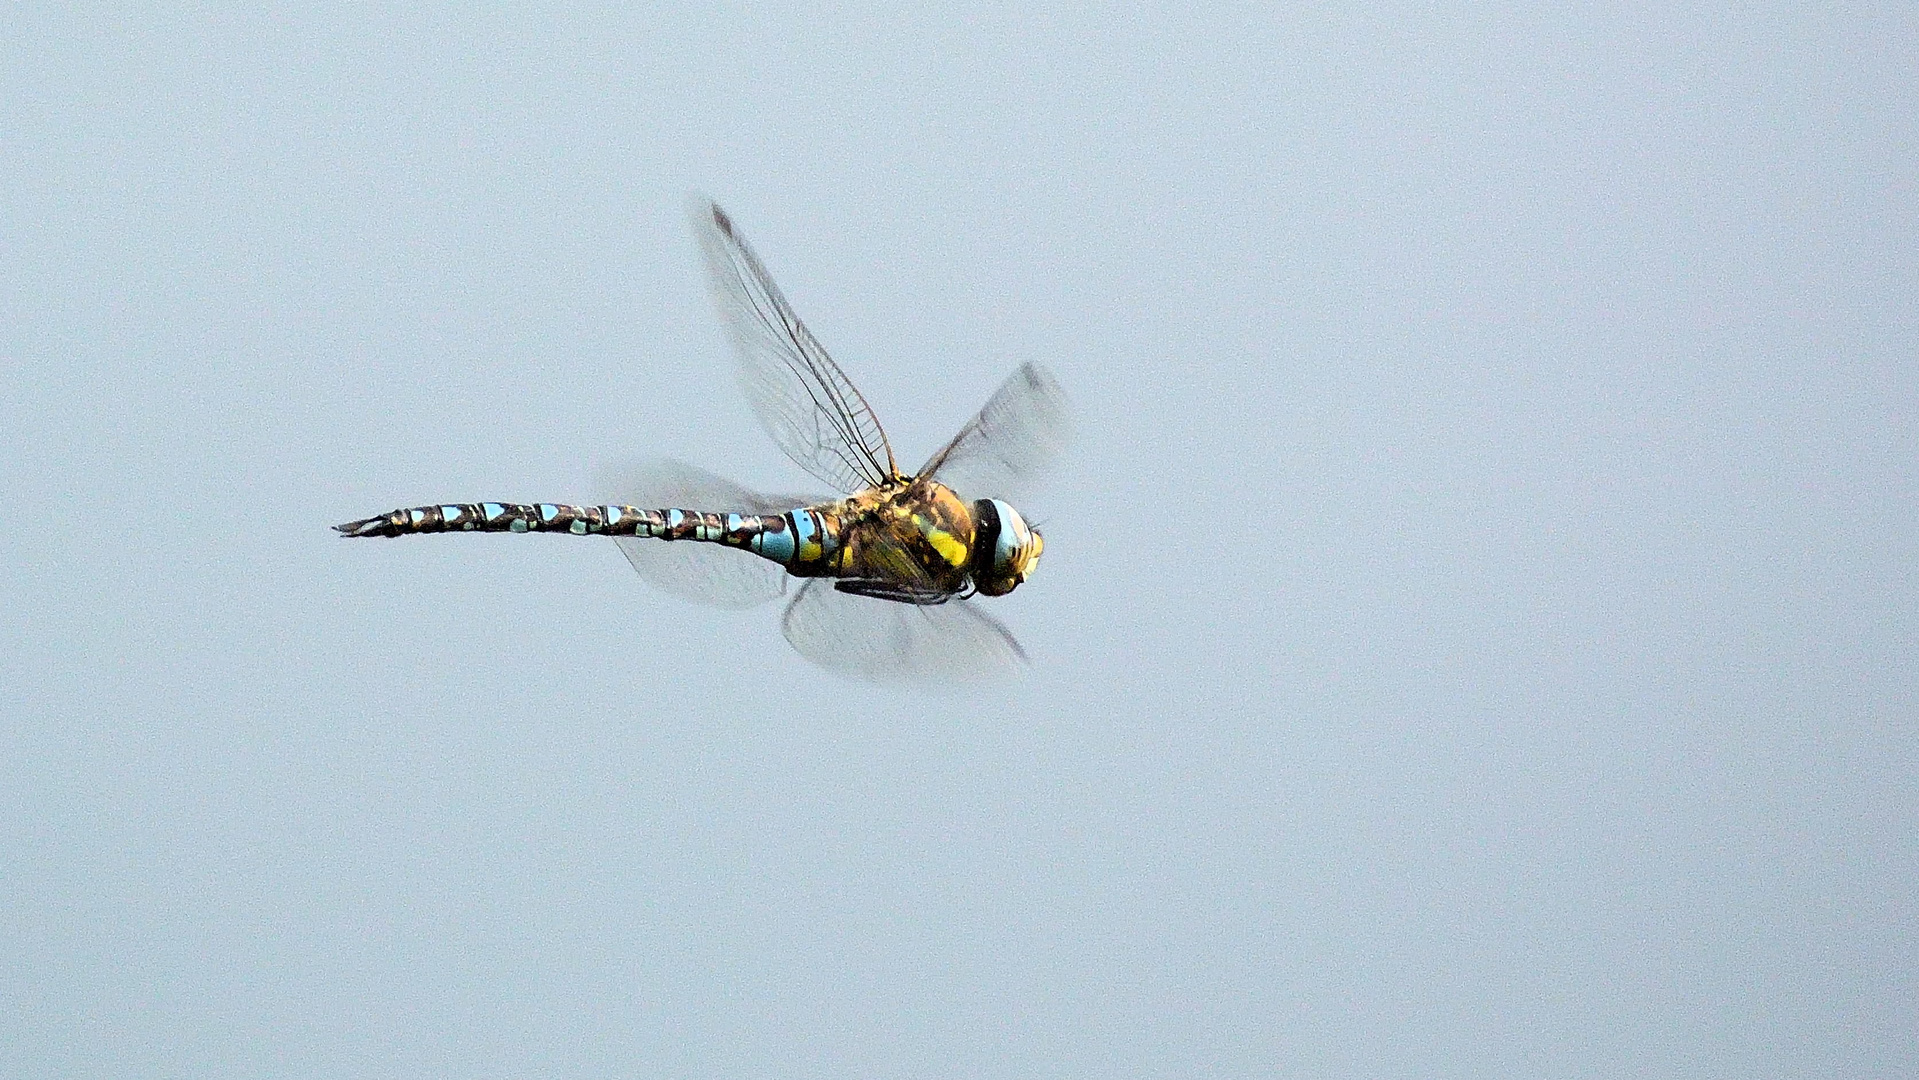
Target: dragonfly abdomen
{"points": [[803, 540], [480, 517]]}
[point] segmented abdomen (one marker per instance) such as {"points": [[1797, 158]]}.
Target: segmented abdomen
{"points": [[803, 540]]}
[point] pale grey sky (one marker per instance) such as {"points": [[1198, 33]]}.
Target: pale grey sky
{"points": [[1475, 636]]}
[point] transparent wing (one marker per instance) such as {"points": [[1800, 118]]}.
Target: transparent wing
{"points": [[1011, 444], [703, 573], [881, 641], [806, 403]]}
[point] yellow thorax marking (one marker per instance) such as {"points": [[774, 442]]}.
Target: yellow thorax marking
{"points": [[949, 546]]}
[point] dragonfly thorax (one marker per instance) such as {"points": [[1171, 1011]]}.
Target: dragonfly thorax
{"points": [[1005, 548], [922, 536]]}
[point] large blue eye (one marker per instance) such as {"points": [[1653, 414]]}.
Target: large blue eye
{"points": [[1014, 538], [992, 569]]}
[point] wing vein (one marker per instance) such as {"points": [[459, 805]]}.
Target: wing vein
{"points": [[804, 400]]}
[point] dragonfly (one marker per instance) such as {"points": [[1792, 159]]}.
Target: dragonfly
{"points": [[885, 573]]}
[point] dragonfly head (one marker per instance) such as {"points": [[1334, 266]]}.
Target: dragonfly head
{"points": [[1005, 548]]}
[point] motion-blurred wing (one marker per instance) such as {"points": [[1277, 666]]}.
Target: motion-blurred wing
{"points": [[703, 573], [803, 399], [1013, 442], [881, 641]]}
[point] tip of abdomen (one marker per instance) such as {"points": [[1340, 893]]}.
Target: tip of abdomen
{"points": [[373, 526]]}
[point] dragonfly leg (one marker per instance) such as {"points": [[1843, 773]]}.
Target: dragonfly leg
{"points": [[880, 589]]}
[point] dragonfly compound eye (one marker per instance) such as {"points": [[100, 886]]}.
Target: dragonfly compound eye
{"points": [[1005, 548]]}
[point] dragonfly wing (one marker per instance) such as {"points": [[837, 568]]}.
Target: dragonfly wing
{"points": [[1011, 444], [703, 573], [879, 641], [806, 403]]}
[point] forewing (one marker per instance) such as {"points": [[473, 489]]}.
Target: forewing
{"points": [[806, 403], [703, 573], [881, 641], [1011, 444]]}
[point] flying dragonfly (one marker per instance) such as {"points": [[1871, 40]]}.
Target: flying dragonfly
{"points": [[888, 568]]}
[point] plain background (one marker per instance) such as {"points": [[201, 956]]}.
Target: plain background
{"points": [[1475, 638]]}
